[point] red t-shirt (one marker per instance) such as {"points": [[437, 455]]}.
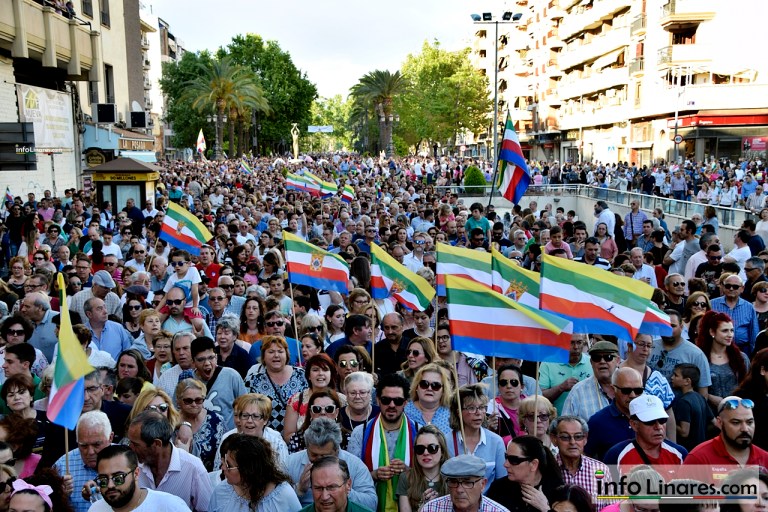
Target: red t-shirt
{"points": [[212, 272]]}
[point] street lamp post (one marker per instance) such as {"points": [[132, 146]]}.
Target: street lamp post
{"points": [[387, 120], [217, 144], [486, 19]]}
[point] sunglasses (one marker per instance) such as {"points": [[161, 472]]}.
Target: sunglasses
{"points": [[178, 263], [699, 305], [103, 480], [319, 409], [435, 386], [315, 328], [568, 437], [731, 286], [277, 323], [175, 302], [16, 332], [157, 408], [134, 308], [196, 401], [511, 382], [677, 284], [596, 358], [9, 483], [351, 364], [629, 391], [516, 461], [414, 353], [734, 403], [540, 417], [227, 286], [660, 421], [429, 448], [386, 400]]}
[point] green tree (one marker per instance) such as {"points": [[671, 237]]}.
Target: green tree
{"points": [[186, 121], [380, 89], [224, 86], [474, 180], [446, 96], [287, 90], [334, 112]]}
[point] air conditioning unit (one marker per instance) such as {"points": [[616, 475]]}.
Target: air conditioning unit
{"points": [[104, 113], [138, 120]]}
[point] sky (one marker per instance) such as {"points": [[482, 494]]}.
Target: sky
{"points": [[334, 41]]}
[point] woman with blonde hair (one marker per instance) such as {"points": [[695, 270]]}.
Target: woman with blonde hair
{"points": [[358, 301], [251, 414], [156, 400], [696, 304], [422, 481], [421, 351], [207, 426], [17, 277], [535, 413], [431, 398]]}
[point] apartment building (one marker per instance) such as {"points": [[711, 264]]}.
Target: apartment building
{"points": [[606, 79]]}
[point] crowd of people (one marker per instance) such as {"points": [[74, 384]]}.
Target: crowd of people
{"points": [[219, 385]]}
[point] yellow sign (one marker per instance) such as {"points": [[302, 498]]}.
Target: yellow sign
{"points": [[94, 157], [128, 176]]}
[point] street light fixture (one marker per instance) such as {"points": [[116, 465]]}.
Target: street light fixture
{"points": [[487, 18], [217, 144]]}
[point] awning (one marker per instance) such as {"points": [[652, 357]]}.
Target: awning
{"points": [[142, 156], [640, 145], [607, 59]]}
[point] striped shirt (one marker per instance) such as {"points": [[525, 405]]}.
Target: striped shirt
{"points": [[186, 478], [444, 504]]}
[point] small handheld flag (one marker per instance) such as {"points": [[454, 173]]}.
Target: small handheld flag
{"points": [[183, 230], [201, 147], [514, 177], [245, 169], [8, 196]]}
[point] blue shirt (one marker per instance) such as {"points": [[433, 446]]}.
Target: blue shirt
{"points": [[44, 336], [114, 338], [607, 427], [744, 322], [490, 448], [333, 347], [441, 419], [80, 474], [293, 351]]}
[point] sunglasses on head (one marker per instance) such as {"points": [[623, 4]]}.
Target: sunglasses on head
{"points": [[319, 409], [596, 358], [386, 400], [734, 403], [435, 386], [429, 448]]}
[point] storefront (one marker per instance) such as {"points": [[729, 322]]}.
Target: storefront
{"points": [[731, 134], [124, 178]]}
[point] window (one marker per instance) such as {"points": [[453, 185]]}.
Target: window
{"points": [[93, 91], [88, 8], [105, 13], [109, 83], [687, 36]]}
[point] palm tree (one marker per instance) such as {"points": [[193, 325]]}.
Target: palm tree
{"points": [[380, 88], [223, 86]]}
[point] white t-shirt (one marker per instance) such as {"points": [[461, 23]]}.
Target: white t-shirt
{"points": [[191, 277], [741, 255], [156, 501]]}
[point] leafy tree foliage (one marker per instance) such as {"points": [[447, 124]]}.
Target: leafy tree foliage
{"points": [[334, 112]]}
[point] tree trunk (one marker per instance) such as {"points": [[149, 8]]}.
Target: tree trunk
{"points": [[231, 151]]}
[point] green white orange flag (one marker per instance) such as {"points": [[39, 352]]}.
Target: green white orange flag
{"points": [[595, 301], [513, 281], [182, 230], [311, 266], [486, 322], [391, 279]]}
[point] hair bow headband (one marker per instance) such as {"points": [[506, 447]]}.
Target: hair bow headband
{"points": [[44, 491]]}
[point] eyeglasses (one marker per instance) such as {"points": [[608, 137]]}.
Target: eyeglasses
{"points": [[430, 448], [16, 332], [467, 484], [414, 353], [253, 417], [358, 393], [351, 364], [92, 389], [118, 478], [699, 305], [206, 359], [319, 409], [327, 488], [175, 302], [596, 358], [660, 421], [163, 408], [386, 400], [226, 467], [8, 483], [511, 382], [197, 401], [516, 461], [540, 417], [734, 403], [568, 437], [629, 391], [276, 323], [436, 386], [178, 263], [474, 409], [729, 286]]}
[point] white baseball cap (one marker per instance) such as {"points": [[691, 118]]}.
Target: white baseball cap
{"points": [[647, 407]]}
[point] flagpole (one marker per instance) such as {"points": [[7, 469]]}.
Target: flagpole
{"points": [[536, 402], [461, 420], [494, 389], [295, 326], [66, 450], [373, 337]]}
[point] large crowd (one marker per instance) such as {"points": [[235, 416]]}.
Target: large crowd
{"points": [[219, 385]]}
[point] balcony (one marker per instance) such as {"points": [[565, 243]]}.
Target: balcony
{"points": [[591, 18], [552, 98], [144, 43], [29, 30], [147, 102], [681, 14], [147, 65], [554, 11], [600, 45], [637, 66], [637, 28], [614, 110], [147, 84], [708, 97], [609, 78], [678, 54]]}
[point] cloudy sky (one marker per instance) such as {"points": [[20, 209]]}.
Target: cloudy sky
{"points": [[334, 41]]}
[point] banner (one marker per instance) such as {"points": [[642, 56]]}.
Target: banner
{"points": [[50, 113], [319, 129]]}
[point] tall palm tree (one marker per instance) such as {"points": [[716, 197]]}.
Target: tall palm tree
{"points": [[380, 89], [222, 86]]}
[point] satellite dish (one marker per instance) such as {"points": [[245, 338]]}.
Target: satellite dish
{"points": [[136, 107]]}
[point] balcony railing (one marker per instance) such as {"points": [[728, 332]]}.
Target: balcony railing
{"points": [[636, 66], [638, 25]]}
